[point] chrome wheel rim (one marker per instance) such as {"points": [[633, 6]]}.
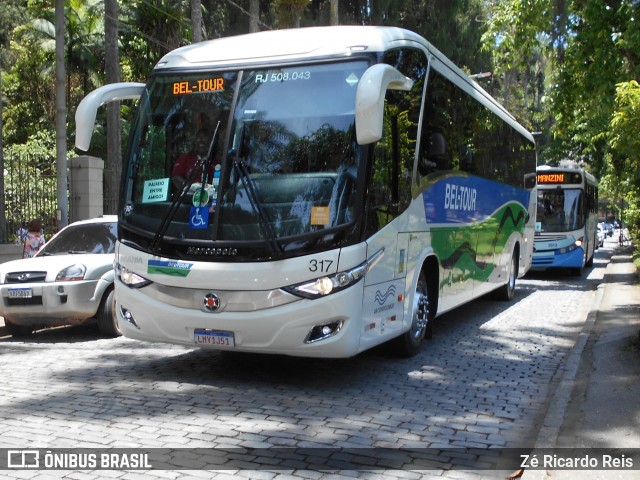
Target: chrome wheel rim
{"points": [[420, 313]]}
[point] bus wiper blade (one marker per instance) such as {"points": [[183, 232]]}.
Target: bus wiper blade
{"points": [[209, 159], [249, 187], [173, 208]]}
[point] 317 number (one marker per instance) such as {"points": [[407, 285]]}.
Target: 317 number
{"points": [[320, 265]]}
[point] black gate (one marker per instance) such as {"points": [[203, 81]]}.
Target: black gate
{"points": [[30, 192]]}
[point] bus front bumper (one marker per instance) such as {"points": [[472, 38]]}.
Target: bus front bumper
{"points": [[558, 259], [283, 329]]}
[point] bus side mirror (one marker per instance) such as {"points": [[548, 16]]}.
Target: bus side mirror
{"points": [[88, 107], [370, 100]]}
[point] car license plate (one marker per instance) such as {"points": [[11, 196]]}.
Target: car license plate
{"points": [[20, 293], [215, 338]]}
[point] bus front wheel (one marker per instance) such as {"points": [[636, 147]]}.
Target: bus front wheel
{"points": [[408, 344]]}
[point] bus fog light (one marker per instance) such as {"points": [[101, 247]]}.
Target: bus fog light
{"points": [[321, 332], [127, 316]]}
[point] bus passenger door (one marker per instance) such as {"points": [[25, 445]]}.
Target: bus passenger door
{"points": [[384, 289]]}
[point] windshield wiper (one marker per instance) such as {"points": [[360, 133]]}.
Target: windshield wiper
{"points": [[173, 208], [249, 187]]}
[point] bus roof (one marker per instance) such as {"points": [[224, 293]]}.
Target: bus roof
{"points": [[277, 45], [300, 44]]}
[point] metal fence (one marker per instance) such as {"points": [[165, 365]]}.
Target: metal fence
{"points": [[30, 192]]}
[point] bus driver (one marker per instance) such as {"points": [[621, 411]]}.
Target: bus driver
{"points": [[187, 161]]}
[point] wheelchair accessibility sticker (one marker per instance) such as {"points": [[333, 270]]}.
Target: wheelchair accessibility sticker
{"points": [[199, 217]]}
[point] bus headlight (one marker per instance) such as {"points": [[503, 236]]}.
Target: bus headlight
{"points": [[323, 286], [130, 279]]}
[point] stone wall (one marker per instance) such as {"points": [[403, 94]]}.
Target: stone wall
{"points": [[10, 251]]}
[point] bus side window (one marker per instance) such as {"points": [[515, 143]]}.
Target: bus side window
{"points": [[394, 155], [437, 156], [438, 128]]}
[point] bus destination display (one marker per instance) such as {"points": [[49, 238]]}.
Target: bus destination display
{"points": [[198, 86], [558, 178]]}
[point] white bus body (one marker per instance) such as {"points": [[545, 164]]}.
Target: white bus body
{"points": [[341, 204]]}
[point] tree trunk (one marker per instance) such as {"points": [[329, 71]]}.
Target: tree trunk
{"points": [[254, 15], [61, 120], [196, 21], [3, 216], [333, 13], [113, 165]]}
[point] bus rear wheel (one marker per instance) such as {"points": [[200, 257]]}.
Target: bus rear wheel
{"points": [[507, 291], [409, 343]]}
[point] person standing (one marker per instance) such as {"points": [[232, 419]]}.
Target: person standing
{"points": [[34, 239]]}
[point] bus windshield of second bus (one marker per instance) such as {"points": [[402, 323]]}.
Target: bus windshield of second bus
{"points": [[560, 210]]}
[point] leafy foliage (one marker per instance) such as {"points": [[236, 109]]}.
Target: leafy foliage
{"points": [[564, 68]]}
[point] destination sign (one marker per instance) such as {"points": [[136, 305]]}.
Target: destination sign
{"points": [[198, 86], [558, 178]]}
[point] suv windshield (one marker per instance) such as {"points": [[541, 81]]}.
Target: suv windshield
{"points": [[267, 157], [83, 238]]}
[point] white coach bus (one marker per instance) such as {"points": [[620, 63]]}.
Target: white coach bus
{"points": [[350, 185]]}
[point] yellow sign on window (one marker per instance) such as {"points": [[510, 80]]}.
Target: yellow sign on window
{"points": [[319, 215]]}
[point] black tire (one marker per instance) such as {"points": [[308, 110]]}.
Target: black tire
{"points": [[409, 343], [17, 331], [507, 291], [106, 316], [589, 262]]}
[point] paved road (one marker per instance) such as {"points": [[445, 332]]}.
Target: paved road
{"points": [[483, 381]]}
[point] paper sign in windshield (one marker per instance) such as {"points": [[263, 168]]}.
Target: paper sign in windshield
{"points": [[155, 190], [319, 215]]}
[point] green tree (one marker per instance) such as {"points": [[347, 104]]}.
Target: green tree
{"points": [[622, 176], [10, 14]]}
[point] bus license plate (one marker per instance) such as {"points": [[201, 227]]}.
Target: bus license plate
{"points": [[20, 293], [215, 338]]}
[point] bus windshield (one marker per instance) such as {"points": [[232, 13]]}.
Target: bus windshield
{"points": [[560, 210], [257, 158]]}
